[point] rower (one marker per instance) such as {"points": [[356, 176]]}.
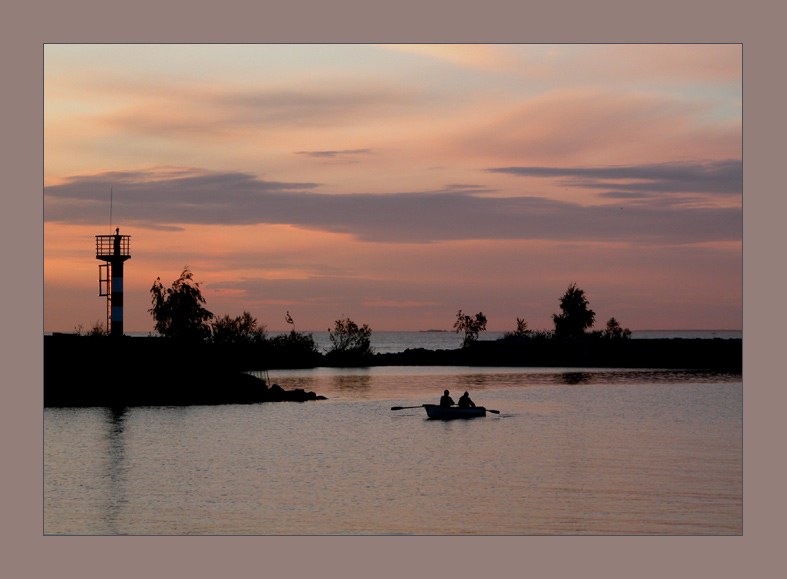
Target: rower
{"points": [[465, 402], [446, 400]]}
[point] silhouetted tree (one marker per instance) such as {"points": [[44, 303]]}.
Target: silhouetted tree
{"points": [[243, 329], [348, 337], [576, 316], [521, 331], [614, 331], [178, 310], [470, 325]]}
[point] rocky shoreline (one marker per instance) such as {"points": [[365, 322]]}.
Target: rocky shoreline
{"points": [[82, 371]]}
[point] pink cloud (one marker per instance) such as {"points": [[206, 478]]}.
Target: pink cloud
{"points": [[595, 126], [684, 63]]}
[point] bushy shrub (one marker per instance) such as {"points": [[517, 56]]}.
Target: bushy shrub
{"points": [[243, 329], [294, 342], [349, 338]]}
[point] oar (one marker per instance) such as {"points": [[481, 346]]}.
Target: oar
{"points": [[422, 405]]}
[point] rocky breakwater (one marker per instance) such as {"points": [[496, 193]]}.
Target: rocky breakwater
{"points": [[82, 371]]}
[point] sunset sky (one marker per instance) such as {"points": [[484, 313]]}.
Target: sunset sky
{"points": [[397, 184]]}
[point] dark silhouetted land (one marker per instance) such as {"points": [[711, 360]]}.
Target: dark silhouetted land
{"points": [[695, 354], [136, 371], [83, 371]]}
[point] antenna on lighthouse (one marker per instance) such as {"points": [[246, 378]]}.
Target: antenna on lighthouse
{"points": [[110, 210]]}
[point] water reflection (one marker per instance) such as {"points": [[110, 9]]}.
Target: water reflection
{"points": [[568, 461], [474, 381], [573, 378], [355, 383], [427, 383], [308, 383], [116, 467]]}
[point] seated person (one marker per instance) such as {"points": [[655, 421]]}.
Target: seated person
{"points": [[446, 400], [465, 402]]}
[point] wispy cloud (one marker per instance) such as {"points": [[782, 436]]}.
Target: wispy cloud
{"points": [[413, 217], [383, 303], [675, 62], [216, 112], [318, 105], [479, 56], [334, 154], [463, 187], [590, 126], [637, 181], [561, 64]]}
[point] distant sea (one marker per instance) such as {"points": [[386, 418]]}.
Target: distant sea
{"points": [[389, 342]]}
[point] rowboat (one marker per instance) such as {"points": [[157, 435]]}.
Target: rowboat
{"points": [[447, 412]]}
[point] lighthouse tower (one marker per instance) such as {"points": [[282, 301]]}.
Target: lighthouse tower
{"points": [[113, 250]]}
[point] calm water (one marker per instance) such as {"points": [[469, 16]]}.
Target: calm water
{"points": [[579, 452]]}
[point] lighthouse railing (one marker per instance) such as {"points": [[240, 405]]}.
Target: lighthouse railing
{"points": [[109, 246]]}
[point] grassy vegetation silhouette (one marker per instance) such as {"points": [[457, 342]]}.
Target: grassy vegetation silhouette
{"points": [[521, 332], [97, 330]]}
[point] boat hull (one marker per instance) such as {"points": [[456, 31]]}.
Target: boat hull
{"points": [[449, 412]]}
